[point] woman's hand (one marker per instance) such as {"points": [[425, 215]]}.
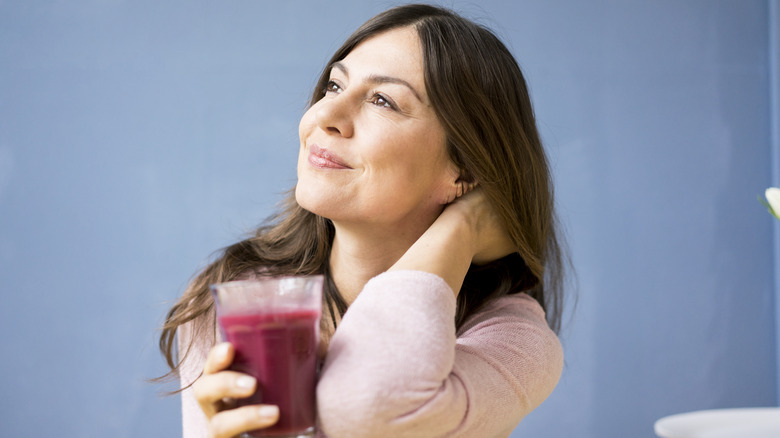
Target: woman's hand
{"points": [[215, 389], [467, 231], [488, 236]]}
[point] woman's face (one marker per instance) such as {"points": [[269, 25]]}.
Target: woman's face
{"points": [[372, 150]]}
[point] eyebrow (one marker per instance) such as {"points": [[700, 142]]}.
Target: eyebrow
{"points": [[380, 79]]}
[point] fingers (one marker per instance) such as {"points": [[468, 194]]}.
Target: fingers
{"points": [[460, 188], [466, 187], [216, 384], [489, 236], [220, 357], [211, 389], [235, 421]]}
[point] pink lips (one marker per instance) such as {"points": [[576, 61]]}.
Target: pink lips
{"points": [[324, 159]]}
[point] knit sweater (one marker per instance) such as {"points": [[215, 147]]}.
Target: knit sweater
{"points": [[396, 367]]}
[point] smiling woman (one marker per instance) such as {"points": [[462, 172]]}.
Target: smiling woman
{"points": [[424, 198], [373, 119]]}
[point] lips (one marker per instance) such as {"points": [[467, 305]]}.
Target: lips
{"points": [[324, 159]]}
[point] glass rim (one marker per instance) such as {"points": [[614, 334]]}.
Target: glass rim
{"points": [[260, 279]]}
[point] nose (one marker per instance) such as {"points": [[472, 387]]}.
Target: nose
{"points": [[335, 115]]}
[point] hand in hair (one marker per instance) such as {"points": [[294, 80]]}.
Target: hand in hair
{"points": [[489, 238], [467, 231], [216, 387]]}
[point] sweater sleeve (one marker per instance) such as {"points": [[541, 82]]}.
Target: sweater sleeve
{"points": [[194, 424], [396, 368]]}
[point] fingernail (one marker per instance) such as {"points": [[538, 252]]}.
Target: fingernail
{"points": [[222, 349], [245, 382], [268, 411]]}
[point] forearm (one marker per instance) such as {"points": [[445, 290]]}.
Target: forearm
{"points": [[395, 368], [388, 367]]}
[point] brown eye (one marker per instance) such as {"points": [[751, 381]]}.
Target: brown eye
{"points": [[332, 87], [382, 101]]}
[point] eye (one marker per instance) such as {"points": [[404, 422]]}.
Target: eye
{"points": [[382, 101], [332, 87]]}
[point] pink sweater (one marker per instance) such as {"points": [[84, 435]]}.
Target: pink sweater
{"points": [[397, 368]]}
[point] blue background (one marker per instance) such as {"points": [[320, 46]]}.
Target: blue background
{"points": [[137, 137]]}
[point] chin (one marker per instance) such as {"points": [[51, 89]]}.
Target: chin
{"points": [[302, 196], [314, 199]]}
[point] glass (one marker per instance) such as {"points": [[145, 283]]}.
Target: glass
{"points": [[274, 325]]}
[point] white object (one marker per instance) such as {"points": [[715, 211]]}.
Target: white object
{"points": [[773, 199], [722, 423]]}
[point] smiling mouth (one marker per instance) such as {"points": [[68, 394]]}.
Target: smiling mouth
{"points": [[323, 159]]}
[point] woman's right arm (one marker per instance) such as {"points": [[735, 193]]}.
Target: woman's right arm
{"points": [[204, 412]]}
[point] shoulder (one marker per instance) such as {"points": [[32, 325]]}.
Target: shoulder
{"points": [[515, 307]]}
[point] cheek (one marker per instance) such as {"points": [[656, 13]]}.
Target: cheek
{"points": [[423, 181], [305, 127], [306, 124]]}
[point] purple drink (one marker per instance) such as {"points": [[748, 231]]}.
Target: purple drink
{"points": [[273, 323], [280, 350]]}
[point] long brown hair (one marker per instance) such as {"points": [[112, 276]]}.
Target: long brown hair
{"points": [[480, 96]]}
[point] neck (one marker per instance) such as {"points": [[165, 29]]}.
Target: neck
{"points": [[359, 254]]}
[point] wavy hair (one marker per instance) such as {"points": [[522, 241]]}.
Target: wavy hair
{"points": [[480, 97]]}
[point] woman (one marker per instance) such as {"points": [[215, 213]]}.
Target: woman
{"points": [[425, 198]]}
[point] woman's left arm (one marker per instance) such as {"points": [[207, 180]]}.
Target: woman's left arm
{"points": [[395, 367]]}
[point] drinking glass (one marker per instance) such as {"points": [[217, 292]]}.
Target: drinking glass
{"points": [[274, 326]]}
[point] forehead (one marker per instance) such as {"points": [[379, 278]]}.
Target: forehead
{"points": [[396, 53]]}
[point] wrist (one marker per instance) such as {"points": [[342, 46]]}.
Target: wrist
{"points": [[461, 225], [445, 249]]}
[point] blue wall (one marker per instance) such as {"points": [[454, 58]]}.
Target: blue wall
{"points": [[774, 75], [136, 137]]}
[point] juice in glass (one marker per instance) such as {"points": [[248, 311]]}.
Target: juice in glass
{"points": [[274, 329]]}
